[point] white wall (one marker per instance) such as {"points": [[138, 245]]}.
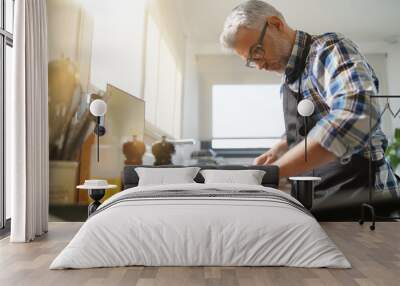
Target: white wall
{"points": [[165, 13], [393, 71], [191, 95], [118, 36], [63, 19], [164, 68], [385, 59], [104, 38], [378, 61], [70, 35]]}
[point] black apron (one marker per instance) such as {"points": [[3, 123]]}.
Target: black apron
{"points": [[342, 185]]}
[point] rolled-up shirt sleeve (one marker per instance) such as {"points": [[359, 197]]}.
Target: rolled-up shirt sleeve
{"points": [[346, 82]]}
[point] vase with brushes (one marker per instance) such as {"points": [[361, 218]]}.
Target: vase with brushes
{"points": [[70, 123]]}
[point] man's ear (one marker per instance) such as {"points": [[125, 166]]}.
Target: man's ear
{"points": [[276, 22]]}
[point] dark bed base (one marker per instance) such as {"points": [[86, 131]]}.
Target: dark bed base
{"points": [[130, 178]]}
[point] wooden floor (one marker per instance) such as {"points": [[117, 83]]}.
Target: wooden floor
{"points": [[375, 257]]}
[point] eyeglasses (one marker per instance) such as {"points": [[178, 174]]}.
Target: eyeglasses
{"points": [[257, 52]]}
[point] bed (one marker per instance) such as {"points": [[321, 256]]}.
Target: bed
{"points": [[201, 224]]}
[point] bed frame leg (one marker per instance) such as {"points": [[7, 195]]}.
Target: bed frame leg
{"points": [[372, 211]]}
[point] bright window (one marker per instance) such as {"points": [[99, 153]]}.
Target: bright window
{"points": [[246, 116]]}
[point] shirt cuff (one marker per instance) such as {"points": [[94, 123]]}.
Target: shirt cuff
{"points": [[328, 137]]}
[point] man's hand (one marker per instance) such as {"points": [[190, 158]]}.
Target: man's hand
{"points": [[272, 154], [292, 163], [267, 158]]}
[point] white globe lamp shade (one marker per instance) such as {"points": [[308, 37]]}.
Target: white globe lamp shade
{"points": [[305, 108], [98, 107]]}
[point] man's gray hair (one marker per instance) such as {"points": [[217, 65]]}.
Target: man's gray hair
{"points": [[251, 14]]}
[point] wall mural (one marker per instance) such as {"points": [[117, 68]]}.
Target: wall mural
{"points": [[73, 84], [90, 59]]}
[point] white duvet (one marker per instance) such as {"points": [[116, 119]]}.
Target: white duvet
{"points": [[202, 232]]}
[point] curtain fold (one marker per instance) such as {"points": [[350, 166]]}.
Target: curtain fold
{"points": [[27, 122]]}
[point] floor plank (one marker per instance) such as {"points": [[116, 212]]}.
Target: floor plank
{"points": [[375, 257]]}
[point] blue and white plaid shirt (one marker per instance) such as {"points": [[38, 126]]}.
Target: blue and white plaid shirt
{"points": [[339, 80]]}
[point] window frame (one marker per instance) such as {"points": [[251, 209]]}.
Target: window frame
{"points": [[6, 39]]}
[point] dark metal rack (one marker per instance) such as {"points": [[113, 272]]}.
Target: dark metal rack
{"points": [[369, 206]]}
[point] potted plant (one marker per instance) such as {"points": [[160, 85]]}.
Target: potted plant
{"points": [[393, 151]]}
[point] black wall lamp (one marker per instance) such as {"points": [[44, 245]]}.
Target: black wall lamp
{"points": [[98, 108]]}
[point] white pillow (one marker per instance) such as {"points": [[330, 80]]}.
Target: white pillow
{"points": [[166, 176], [248, 177]]}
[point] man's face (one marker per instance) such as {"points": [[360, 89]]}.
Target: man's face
{"points": [[277, 50]]}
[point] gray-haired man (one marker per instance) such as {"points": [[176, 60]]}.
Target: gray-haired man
{"points": [[330, 71]]}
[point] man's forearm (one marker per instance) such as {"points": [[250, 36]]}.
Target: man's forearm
{"points": [[282, 146], [293, 163]]}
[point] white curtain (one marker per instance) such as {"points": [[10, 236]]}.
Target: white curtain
{"points": [[27, 124]]}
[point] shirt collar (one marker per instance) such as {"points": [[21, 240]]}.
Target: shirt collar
{"points": [[297, 51]]}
